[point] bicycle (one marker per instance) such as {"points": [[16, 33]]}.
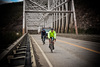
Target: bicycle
{"points": [[51, 45]]}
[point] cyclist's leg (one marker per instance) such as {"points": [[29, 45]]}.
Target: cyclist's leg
{"points": [[42, 37], [53, 45], [49, 42]]}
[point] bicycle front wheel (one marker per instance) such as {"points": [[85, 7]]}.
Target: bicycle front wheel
{"points": [[51, 47]]}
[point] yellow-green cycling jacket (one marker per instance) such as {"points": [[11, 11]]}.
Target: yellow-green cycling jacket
{"points": [[52, 34]]}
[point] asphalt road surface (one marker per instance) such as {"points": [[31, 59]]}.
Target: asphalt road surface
{"points": [[68, 53]]}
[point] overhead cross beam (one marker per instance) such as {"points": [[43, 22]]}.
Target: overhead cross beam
{"points": [[41, 11]]}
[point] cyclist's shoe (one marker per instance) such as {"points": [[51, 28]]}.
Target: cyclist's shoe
{"points": [[53, 48], [49, 46], [43, 42]]}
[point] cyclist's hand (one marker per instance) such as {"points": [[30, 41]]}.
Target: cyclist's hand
{"points": [[50, 39]]}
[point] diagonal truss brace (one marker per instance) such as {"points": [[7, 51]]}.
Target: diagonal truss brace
{"points": [[37, 5], [55, 8], [60, 4]]}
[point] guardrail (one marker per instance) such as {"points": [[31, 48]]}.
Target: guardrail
{"points": [[10, 50], [19, 54]]}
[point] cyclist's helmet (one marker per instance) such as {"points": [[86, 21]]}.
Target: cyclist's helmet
{"points": [[43, 29], [52, 29]]}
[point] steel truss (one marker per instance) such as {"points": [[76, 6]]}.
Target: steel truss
{"points": [[59, 14]]}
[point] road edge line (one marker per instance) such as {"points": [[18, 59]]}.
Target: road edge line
{"points": [[49, 63]]}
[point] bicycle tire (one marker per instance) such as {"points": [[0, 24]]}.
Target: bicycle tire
{"points": [[51, 47]]}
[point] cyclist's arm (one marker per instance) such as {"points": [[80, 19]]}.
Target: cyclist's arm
{"points": [[49, 35], [54, 35]]}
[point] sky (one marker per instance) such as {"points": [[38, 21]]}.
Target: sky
{"points": [[12, 0], [9, 1]]}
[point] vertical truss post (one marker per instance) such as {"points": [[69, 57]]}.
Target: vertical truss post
{"points": [[62, 18], [56, 17], [69, 16], [74, 18], [54, 20], [59, 20], [49, 9], [23, 17], [72, 22], [53, 16], [48, 4], [66, 7], [44, 23], [51, 20], [26, 24]]}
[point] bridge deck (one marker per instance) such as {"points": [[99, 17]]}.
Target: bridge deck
{"points": [[68, 53]]}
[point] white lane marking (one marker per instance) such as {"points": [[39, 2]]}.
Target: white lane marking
{"points": [[49, 63]]}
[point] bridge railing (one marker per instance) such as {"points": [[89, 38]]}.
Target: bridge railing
{"points": [[9, 50]]}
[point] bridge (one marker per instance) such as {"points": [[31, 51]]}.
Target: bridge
{"points": [[57, 14], [29, 51]]}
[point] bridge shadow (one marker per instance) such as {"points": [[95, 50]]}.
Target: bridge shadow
{"points": [[55, 51]]}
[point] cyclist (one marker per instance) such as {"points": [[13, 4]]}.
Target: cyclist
{"points": [[51, 34], [43, 35]]}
